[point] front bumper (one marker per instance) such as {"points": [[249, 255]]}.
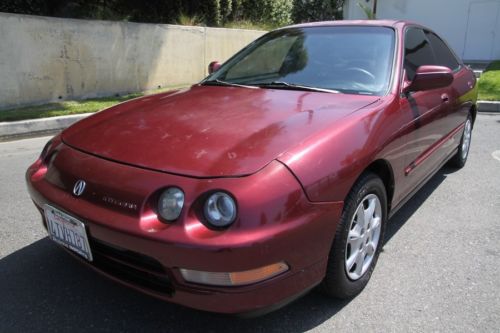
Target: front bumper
{"points": [[276, 223]]}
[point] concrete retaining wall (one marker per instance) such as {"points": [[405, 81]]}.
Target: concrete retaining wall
{"points": [[46, 59]]}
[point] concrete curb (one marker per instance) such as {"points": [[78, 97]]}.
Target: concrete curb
{"points": [[33, 127], [487, 106]]}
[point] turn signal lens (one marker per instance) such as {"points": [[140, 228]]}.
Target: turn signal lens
{"points": [[170, 203], [235, 278]]}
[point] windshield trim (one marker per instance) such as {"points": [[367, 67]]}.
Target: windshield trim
{"points": [[294, 86], [218, 82]]}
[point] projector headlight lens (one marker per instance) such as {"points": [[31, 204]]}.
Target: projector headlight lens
{"points": [[220, 209]]}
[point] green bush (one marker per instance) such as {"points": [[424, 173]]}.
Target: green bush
{"points": [[317, 10], [271, 13], [33, 7], [277, 12], [274, 12]]}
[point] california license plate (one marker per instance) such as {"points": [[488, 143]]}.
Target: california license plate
{"points": [[67, 231]]}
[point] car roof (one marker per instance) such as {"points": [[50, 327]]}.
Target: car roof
{"points": [[377, 23]]}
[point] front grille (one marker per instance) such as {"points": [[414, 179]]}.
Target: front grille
{"points": [[132, 267], [132, 258]]}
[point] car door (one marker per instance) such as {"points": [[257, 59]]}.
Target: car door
{"points": [[429, 110]]}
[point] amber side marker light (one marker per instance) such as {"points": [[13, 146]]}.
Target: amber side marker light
{"points": [[234, 278]]}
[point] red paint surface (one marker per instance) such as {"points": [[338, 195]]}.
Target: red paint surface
{"points": [[208, 131]]}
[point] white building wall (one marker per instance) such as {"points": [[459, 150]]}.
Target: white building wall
{"points": [[449, 18]]}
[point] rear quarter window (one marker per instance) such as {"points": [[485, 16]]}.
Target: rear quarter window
{"points": [[444, 56]]}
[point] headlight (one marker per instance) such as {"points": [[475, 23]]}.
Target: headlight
{"points": [[170, 203], [220, 209]]}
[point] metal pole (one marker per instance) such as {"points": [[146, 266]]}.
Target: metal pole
{"points": [[374, 10]]}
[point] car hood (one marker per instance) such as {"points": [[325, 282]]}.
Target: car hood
{"points": [[209, 131]]}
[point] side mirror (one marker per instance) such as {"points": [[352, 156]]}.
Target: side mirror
{"points": [[213, 67], [428, 78]]}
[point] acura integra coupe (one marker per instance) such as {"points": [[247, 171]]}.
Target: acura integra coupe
{"points": [[275, 174]]}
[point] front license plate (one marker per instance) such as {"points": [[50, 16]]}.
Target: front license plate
{"points": [[67, 231]]}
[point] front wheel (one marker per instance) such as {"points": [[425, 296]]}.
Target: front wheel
{"points": [[358, 239], [458, 161]]}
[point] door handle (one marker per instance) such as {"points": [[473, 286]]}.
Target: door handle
{"points": [[445, 98]]}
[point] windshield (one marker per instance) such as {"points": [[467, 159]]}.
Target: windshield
{"points": [[347, 59]]}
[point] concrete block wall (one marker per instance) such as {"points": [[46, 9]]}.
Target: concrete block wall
{"points": [[45, 59]]}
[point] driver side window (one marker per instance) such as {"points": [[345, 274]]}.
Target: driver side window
{"points": [[418, 52]]}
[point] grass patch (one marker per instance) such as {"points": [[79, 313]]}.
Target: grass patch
{"points": [[249, 25], [489, 83], [193, 20], [65, 108], [200, 21]]}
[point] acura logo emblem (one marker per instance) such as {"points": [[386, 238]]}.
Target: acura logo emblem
{"points": [[79, 187]]}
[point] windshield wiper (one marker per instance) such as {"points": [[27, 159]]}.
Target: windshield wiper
{"points": [[217, 82], [281, 84]]}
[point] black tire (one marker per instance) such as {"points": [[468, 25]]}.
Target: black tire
{"points": [[337, 282], [459, 159]]}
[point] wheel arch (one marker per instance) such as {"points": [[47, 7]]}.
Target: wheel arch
{"points": [[383, 169]]}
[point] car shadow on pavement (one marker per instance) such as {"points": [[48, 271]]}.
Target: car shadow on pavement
{"points": [[43, 289], [400, 217]]}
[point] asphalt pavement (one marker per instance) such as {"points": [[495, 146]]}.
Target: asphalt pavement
{"points": [[439, 270]]}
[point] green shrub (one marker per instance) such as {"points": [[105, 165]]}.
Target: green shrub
{"points": [[192, 20], [277, 12], [271, 13], [33, 7], [317, 10]]}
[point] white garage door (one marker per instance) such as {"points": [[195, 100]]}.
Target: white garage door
{"points": [[480, 39]]}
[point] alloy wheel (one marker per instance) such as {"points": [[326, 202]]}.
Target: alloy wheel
{"points": [[466, 138], [364, 236]]}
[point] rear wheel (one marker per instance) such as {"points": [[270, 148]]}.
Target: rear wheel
{"points": [[460, 158], [358, 239]]}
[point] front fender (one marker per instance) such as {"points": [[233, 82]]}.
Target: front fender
{"points": [[328, 163]]}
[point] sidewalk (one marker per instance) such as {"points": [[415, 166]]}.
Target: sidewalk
{"points": [[488, 106], [37, 127]]}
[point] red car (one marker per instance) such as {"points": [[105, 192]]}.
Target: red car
{"points": [[275, 174]]}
